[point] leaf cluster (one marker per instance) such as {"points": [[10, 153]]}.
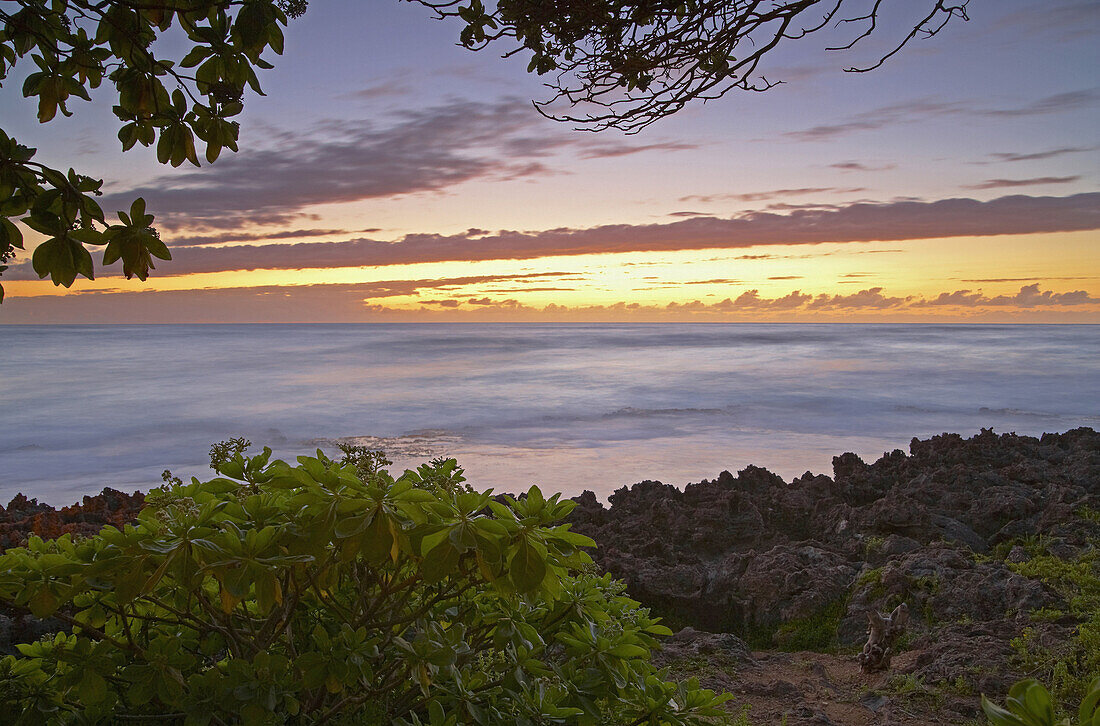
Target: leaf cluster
{"points": [[305, 594], [178, 104]]}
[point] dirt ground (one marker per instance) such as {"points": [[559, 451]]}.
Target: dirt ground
{"points": [[816, 688]]}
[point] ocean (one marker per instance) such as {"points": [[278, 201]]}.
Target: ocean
{"points": [[567, 407]]}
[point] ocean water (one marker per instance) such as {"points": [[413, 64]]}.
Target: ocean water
{"points": [[569, 407]]}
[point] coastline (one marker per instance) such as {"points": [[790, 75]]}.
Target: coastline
{"points": [[769, 582]]}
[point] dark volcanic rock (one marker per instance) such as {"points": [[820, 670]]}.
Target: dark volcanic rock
{"points": [[793, 582], [692, 643], [24, 517], [749, 554], [769, 550], [977, 653]]}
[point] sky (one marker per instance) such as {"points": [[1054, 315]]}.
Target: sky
{"points": [[389, 175]]}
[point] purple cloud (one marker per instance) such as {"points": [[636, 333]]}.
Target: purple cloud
{"points": [[856, 222], [924, 109], [1034, 181], [426, 150]]}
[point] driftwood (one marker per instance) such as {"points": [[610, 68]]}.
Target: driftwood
{"points": [[882, 633]]}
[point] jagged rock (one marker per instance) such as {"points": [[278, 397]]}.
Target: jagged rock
{"points": [[946, 584], [24, 517], [689, 642], [745, 553], [792, 582], [978, 653]]}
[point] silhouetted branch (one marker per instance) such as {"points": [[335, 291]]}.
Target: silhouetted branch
{"points": [[627, 63]]}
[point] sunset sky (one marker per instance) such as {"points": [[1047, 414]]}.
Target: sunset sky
{"points": [[389, 175]]}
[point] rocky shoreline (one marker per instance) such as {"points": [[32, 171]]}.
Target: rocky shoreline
{"points": [[972, 534], [770, 583]]}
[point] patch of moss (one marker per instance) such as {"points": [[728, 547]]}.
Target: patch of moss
{"points": [[872, 545], [1088, 513], [929, 585], [816, 632], [1035, 545], [961, 686], [913, 688], [872, 579]]}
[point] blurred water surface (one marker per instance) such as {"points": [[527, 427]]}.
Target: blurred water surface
{"points": [[570, 407]]}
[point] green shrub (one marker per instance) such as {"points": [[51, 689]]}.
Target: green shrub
{"points": [[330, 593]]}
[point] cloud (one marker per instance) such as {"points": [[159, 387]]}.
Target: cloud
{"points": [[870, 298], [264, 236], [366, 302], [607, 151], [1065, 21], [1034, 181], [392, 87], [788, 207], [1029, 296], [766, 196], [751, 300], [1035, 155], [531, 289], [425, 150], [341, 161], [1028, 279], [1059, 102], [856, 222], [860, 166], [924, 109], [383, 288]]}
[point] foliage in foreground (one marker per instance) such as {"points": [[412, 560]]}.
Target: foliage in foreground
{"points": [[328, 592], [1029, 704]]}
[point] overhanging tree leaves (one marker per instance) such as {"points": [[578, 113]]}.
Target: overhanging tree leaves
{"points": [[330, 593], [183, 105], [628, 63]]}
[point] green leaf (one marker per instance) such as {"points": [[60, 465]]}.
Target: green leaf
{"points": [[43, 604], [195, 56], [10, 234], [92, 688], [526, 568], [1090, 704], [627, 650], [351, 526], [431, 541]]}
